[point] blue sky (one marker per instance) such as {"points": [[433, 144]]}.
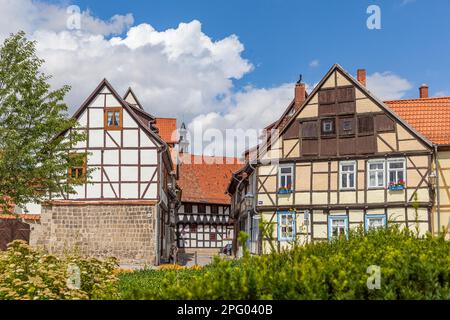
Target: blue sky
{"points": [[232, 64], [281, 38]]}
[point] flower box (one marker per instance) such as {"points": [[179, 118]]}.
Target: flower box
{"points": [[284, 191], [399, 185]]}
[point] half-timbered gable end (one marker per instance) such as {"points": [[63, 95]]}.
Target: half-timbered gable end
{"points": [[345, 159], [121, 149]]}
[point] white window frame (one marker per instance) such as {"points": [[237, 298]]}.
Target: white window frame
{"points": [[331, 218], [288, 214], [382, 161], [388, 170], [346, 163], [284, 166], [374, 216]]}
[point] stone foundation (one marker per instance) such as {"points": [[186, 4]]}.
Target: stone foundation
{"points": [[126, 232]]}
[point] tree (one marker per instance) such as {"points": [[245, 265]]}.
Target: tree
{"points": [[36, 132]]}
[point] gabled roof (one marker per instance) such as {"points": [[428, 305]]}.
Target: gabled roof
{"points": [[205, 179], [134, 97], [429, 116], [360, 87], [125, 105]]}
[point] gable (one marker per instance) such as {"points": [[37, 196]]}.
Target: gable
{"points": [[104, 96], [357, 123]]}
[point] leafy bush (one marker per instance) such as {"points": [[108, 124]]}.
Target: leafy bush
{"points": [[31, 274], [411, 268]]}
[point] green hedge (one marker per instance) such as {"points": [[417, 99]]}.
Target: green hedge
{"points": [[411, 268]]}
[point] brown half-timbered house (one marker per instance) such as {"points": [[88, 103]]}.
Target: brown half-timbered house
{"points": [[124, 205], [343, 159]]}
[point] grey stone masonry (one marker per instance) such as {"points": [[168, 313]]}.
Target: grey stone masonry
{"points": [[126, 232]]}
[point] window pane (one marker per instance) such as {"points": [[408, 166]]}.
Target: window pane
{"points": [[116, 119], [392, 176], [380, 179], [372, 180], [110, 118], [344, 181], [351, 183], [286, 170]]}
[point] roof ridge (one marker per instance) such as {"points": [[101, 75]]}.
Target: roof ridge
{"points": [[417, 99]]}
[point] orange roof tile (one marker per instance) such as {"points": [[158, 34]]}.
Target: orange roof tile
{"points": [[205, 179], [167, 128], [34, 217], [429, 116]]}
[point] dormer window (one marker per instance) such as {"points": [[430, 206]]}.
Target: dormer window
{"points": [[113, 118]]}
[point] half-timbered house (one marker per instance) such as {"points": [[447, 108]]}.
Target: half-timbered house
{"points": [[343, 159], [431, 117], [204, 226], [125, 196]]}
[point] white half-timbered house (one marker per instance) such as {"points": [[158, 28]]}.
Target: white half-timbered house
{"points": [[204, 225], [124, 206]]}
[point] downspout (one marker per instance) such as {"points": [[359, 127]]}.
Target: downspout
{"points": [[438, 196], [259, 248], [158, 241]]}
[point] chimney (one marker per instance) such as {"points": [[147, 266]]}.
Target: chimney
{"points": [[361, 75], [423, 90], [300, 93]]}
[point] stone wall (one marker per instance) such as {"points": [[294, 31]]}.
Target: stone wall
{"points": [[126, 232]]}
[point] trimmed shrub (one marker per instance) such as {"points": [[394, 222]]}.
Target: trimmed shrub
{"points": [[410, 268]]}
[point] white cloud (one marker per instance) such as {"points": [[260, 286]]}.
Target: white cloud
{"points": [[177, 72], [443, 93], [315, 63], [387, 85]]}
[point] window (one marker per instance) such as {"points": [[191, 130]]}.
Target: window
{"points": [[188, 208], [201, 208], [328, 126], [337, 226], [286, 177], [346, 126], [214, 209], [77, 172], [213, 236], [365, 125], [347, 175], [376, 174], [396, 171], [375, 221], [286, 226], [193, 228], [113, 118]]}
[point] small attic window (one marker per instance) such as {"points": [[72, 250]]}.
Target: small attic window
{"points": [[113, 119]]}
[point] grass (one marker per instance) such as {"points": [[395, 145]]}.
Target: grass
{"points": [[148, 284]]}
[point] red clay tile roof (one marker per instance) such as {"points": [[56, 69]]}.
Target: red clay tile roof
{"points": [[428, 116], [205, 179], [167, 127], [34, 217]]}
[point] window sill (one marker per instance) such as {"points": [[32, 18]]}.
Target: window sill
{"points": [[346, 190]]}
